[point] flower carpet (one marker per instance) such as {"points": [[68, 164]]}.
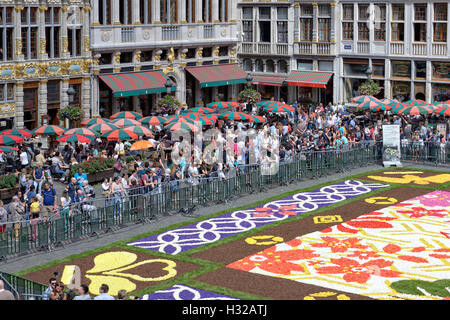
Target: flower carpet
{"points": [[354, 239]]}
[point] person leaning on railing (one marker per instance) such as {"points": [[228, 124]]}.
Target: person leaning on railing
{"points": [[5, 294]]}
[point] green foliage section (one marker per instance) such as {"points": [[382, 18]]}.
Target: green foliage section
{"points": [[168, 102], [249, 94], [369, 88], [437, 288], [93, 166], [8, 181], [71, 113]]}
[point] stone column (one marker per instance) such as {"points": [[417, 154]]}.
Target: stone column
{"points": [[95, 12], [156, 12], [189, 10], [63, 92], [95, 107], [42, 41], [215, 11], [42, 100], [315, 33], [86, 97], [18, 97], [135, 16], [115, 12], [199, 10], [181, 8], [333, 22], [296, 22], [223, 10], [137, 60], [207, 9], [86, 50], [18, 36], [64, 45], [116, 61], [199, 56]]}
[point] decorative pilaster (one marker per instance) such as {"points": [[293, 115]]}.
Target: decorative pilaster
{"points": [[18, 97], [115, 12], [215, 11], [182, 11], [116, 61], [86, 41], [63, 92], [315, 34], [135, 13], [18, 36], [95, 12], [64, 38], [199, 10], [137, 60], [42, 102], [296, 22], [333, 22], [42, 40], [86, 97]]}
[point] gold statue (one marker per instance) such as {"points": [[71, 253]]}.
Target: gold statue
{"points": [[171, 56]]}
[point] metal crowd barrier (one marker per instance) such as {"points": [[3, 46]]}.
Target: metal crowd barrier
{"points": [[100, 215], [23, 289]]}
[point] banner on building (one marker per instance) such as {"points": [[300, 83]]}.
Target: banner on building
{"points": [[391, 145]]}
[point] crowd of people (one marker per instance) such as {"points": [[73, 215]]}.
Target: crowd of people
{"points": [[231, 150]]}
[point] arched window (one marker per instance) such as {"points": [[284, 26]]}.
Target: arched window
{"points": [[282, 66], [247, 65], [259, 66], [270, 66]]}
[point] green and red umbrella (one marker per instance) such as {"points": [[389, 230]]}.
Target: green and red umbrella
{"points": [[416, 103], [23, 133], [237, 116], [153, 120], [75, 137], [125, 123], [200, 110], [92, 121], [279, 109], [257, 119], [370, 104], [182, 125], [444, 110], [204, 120], [7, 140], [103, 127], [8, 149], [120, 134], [416, 110], [83, 131], [49, 130], [139, 130], [362, 99], [396, 106], [269, 103], [126, 115], [219, 105], [380, 108], [172, 119]]}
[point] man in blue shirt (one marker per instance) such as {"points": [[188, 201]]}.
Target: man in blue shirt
{"points": [[80, 176], [71, 188], [51, 287], [49, 200]]}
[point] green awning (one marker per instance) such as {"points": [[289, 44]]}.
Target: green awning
{"points": [[221, 83], [218, 75]]}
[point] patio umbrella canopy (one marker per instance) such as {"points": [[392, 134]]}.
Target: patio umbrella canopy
{"points": [[200, 110], [141, 145], [125, 122], [257, 119], [362, 99], [219, 105], [7, 140], [49, 130], [76, 137], [182, 126], [139, 130], [443, 111], [23, 133], [83, 131], [416, 110], [126, 115], [204, 120], [396, 106], [415, 103], [102, 128], [8, 149], [120, 134], [279, 109], [237, 116], [153, 120], [269, 103], [92, 121]]}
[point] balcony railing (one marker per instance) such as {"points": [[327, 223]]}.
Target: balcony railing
{"points": [[363, 47], [419, 49], [170, 33], [397, 48], [247, 48], [323, 48], [305, 48], [282, 49], [439, 49], [127, 34], [264, 48], [208, 32]]}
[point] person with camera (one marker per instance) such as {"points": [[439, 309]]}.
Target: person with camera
{"points": [[50, 288]]}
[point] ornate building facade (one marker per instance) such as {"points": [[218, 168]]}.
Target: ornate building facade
{"points": [[45, 49]]}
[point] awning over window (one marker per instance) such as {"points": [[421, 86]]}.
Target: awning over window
{"points": [[268, 80], [128, 84], [218, 75], [314, 79]]}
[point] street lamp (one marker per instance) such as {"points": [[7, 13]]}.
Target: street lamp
{"points": [[369, 73], [70, 93], [249, 78], [168, 84]]}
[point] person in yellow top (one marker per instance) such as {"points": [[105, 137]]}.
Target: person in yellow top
{"points": [[35, 210]]}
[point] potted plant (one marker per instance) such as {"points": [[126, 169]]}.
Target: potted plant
{"points": [[9, 185], [168, 104], [73, 114], [249, 94], [369, 88], [95, 169]]}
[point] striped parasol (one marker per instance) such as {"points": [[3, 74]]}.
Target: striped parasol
{"points": [[369, 105], [444, 110], [7, 140], [8, 149], [257, 119], [204, 120], [49, 130], [396, 106], [279, 109], [126, 115], [125, 122], [269, 103], [102, 128], [83, 131], [200, 110], [153, 120], [416, 110], [219, 105], [75, 137], [237, 116], [183, 126], [120, 134], [141, 145], [362, 99], [92, 121], [416, 103], [23, 133], [139, 130]]}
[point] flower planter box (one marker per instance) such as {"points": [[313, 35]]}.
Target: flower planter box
{"points": [[99, 176], [8, 193]]}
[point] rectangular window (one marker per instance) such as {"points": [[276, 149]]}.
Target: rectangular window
{"points": [[104, 12], [420, 32], [282, 31], [347, 30], [304, 65], [398, 12], [247, 13], [440, 11], [306, 10], [363, 11], [347, 11], [247, 28], [398, 32], [440, 32], [363, 31], [421, 70], [324, 10], [264, 31], [441, 70], [53, 99], [6, 34], [324, 29], [2, 92], [326, 65], [264, 13], [355, 67], [420, 11], [380, 12], [6, 92], [380, 31], [282, 13], [306, 29], [401, 69], [378, 68]]}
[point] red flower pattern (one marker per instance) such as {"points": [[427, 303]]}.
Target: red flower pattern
{"points": [[269, 211], [337, 245], [418, 212], [364, 255], [355, 272]]}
